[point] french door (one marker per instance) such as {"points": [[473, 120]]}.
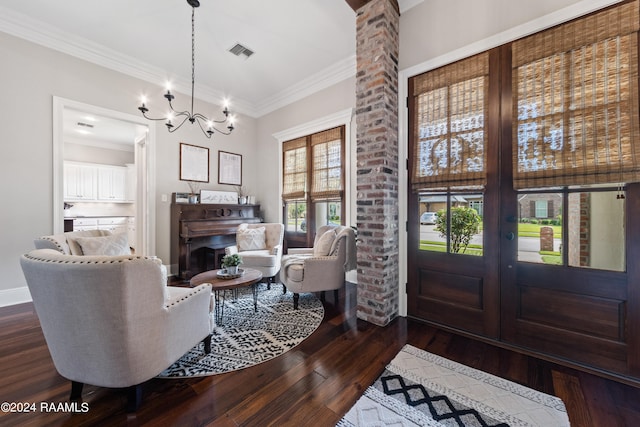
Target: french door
{"points": [[549, 271]]}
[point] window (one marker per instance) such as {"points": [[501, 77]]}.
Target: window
{"points": [[576, 131], [594, 219], [451, 223], [313, 180], [449, 155], [576, 102], [541, 209]]}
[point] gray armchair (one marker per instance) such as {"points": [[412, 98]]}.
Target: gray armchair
{"points": [[323, 267], [111, 321]]}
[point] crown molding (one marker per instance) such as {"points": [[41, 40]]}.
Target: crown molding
{"points": [[323, 79], [46, 35]]}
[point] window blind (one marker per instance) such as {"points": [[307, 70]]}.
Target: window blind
{"points": [[450, 127], [575, 101], [294, 169], [326, 178]]}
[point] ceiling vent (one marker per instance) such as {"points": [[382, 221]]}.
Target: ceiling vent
{"points": [[239, 50]]}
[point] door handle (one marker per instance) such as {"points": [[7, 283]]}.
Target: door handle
{"points": [[510, 236]]}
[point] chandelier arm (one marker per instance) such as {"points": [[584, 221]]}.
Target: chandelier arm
{"points": [[179, 113], [207, 132], [151, 118], [175, 128]]}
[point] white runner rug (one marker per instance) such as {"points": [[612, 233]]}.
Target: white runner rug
{"points": [[421, 389]]}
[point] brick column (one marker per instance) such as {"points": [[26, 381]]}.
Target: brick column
{"points": [[377, 160]]}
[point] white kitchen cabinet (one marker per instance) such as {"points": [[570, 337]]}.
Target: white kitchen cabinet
{"points": [[112, 183], [82, 224], [91, 182], [116, 224], [80, 181]]}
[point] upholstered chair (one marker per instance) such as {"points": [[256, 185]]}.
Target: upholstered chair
{"points": [[323, 267], [94, 242], [260, 246], [112, 321]]}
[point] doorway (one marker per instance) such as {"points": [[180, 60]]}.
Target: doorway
{"points": [[574, 297], [142, 146]]}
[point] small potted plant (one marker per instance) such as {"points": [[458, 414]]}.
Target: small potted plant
{"points": [[231, 263]]}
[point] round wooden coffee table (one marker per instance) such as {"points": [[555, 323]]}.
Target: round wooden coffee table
{"points": [[219, 287]]}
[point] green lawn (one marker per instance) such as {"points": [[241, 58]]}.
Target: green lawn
{"points": [[429, 245], [533, 230]]}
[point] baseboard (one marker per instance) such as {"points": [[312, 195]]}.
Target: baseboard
{"points": [[14, 296]]}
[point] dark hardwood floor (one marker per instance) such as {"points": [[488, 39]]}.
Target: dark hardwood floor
{"points": [[312, 385]]}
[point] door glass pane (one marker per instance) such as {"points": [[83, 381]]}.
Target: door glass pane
{"points": [[328, 212], [540, 228], [460, 231], [596, 230], [296, 216]]}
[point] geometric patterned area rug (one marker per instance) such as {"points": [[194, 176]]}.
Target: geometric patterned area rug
{"points": [[246, 338], [421, 389]]}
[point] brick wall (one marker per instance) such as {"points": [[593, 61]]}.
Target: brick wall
{"points": [[377, 161]]}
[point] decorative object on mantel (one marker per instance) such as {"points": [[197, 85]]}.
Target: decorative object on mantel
{"points": [[248, 338], [219, 197], [189, 114], [242, 199], [194, 187], [229, 168]]}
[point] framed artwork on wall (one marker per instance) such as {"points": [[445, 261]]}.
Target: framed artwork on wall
{"points": [[229, 168], [194, 163]]}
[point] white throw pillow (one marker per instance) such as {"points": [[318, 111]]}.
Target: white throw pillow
{"points": [[324, 243], [250, 239], [115, 244]]}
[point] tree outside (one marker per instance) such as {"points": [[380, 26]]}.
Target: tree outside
{"points": [[465, 223]]}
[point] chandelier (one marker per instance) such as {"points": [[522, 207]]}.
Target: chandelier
{"points": [[208, 126]]}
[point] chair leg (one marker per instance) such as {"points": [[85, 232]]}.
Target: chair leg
{"points": [[76, 390], [134, 398], [335, 296], [296, 297], [207, 344], [322, 296]]}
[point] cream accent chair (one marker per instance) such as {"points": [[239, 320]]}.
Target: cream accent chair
{"points": [[111, 321], [65, 242], [266, 257], [323, 267]]}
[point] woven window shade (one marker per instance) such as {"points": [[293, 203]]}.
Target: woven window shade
{"points": [[576, 102], [326, 179], [294, 169], [450, 127]]}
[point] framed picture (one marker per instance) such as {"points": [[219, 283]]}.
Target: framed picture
{"points": [[194, 163], [229, 168]]}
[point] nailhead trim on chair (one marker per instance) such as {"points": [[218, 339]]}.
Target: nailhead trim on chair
{"points": [[55, 242], [103, 261], [200, 288]]}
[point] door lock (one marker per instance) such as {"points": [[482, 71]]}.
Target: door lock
{"points": [[510, 236]]}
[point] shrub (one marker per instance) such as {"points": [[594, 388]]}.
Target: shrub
{"points": [[465, 223]]}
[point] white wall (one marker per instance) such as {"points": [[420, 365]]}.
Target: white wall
{"points": [[31, 76]]}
